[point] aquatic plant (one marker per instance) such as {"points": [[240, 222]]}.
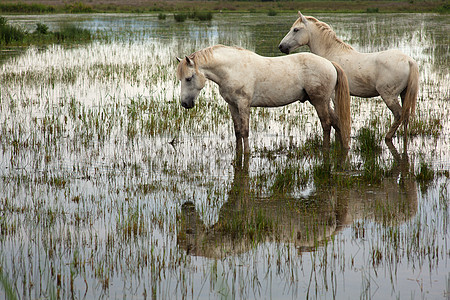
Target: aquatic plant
{"points": [[373, 171], [41, 28], [426, 173], [368, 142], [9, 33], [7, 286], [372, 10], [66, 33], [180, 17], [431, 126], [71, 32], [284, 181], [201, 15]]}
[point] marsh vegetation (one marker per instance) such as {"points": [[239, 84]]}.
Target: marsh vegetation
{"points": [[11, 35], [133, 6], [111, 189]]}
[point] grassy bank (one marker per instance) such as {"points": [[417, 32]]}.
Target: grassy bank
{"points": [[13, 35], [135, 6]]}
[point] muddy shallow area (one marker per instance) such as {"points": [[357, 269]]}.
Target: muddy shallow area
{"points": [[110, 189]]}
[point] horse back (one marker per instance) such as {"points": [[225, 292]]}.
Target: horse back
{"points": [[283, 80], [370, 74]]}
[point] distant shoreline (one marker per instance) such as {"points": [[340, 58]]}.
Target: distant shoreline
{"points": [[147, 6]]}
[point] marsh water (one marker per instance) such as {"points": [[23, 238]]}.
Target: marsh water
{"points": [[110, 189]]}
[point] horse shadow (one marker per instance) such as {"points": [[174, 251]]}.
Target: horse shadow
{"points": [[248, 219]]}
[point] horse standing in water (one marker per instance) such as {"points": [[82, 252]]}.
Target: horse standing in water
{"points": [[387, 73], [246, 80]]}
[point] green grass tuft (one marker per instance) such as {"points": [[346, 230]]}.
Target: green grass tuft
{"points": [[41, 28], [9, 33], [7, 286], [201, 16], [284, 181], [368, 143], [16, 36], [372, 10], [181, 17], [426, 173], [70, 32]]}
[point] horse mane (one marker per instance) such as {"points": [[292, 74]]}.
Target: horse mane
{"points": [[199, 57], [328, 33]]}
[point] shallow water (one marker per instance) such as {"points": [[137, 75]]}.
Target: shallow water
{"points": [[111, 189]]}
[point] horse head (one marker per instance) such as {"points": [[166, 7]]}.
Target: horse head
{"points": [[297, 36], [192, 81]]}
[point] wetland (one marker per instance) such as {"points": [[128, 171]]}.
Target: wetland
{"points": [[110, 189]]}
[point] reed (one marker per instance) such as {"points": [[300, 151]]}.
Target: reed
{"points": [[9, 33], [180, 17]]}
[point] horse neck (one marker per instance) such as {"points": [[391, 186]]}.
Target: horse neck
{"points": [[214, 68], [211, 72], [324, 43]]}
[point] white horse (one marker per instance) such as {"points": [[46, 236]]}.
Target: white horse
{"points": [[247, 80], [387, 73]]}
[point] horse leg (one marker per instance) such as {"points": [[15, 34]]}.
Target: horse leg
{"points": [[323, 111], [333, 99], [244, 113], [237, 127], [335, 124], [405, 123], [396, 109]]}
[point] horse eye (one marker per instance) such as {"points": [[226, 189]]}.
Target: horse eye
{"points": [[189, 78], [296, 29]]}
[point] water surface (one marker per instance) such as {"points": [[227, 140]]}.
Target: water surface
{"points": [[111, 189]]}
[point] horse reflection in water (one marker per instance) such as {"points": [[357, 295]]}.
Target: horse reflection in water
{"points": [[247, 219]]}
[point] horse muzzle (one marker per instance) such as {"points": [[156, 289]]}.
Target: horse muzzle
{"points": [[283, 48], [188, 103]]}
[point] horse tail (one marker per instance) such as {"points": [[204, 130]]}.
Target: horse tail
{"points": [[342, 103], [410, 93]]}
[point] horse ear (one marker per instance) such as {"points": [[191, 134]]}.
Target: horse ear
{"points": [[178, 59], [189, 62], [304, 20]]}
